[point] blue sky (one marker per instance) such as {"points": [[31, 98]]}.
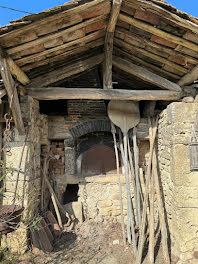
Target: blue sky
{"points": [[34, 6]]}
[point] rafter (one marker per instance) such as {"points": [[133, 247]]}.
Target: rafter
{"points": [[144, 74], [66, 71], [12, 94], [108, 46], [190, 77], [158, 32], [14, 69], [56, 93]]}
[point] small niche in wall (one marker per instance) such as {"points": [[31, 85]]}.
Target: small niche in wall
{"points": [[53, 107], [71, 193]]}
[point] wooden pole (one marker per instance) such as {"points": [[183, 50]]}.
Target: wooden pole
{"points": [[161, 210], [119, 182], [145, 204], [136, 161], [151, 215]]}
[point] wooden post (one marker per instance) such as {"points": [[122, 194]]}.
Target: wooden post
{"points": [[12, 94], [108, 46]]}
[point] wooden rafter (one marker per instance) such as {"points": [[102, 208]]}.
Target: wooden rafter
{"points": [[56, 93], [12, 94], [178, 68], [14, 69], [108, 46], [190, 77], [66, 71], [145, 75], [56, 35], [158, 32], [73, 43]]}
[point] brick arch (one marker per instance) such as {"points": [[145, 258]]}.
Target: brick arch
{"points": [[84, 128]]}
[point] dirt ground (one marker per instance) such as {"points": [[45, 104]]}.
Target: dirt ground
{"points": [[88, 243]]}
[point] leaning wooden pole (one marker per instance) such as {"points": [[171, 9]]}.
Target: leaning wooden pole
{"points": [[145, 204], [136, 161], [113, 130], [164, 232], [151, 211]]}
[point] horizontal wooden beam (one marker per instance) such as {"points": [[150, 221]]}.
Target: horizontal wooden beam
{"points": [[158, 32], [145, 75], [190, 77], [66, 71], [14, 68], [57, 93]]}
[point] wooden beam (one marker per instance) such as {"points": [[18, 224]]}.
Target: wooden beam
{"points": [[189, 77], [12, 95], [145, 75], [56, 93], [108, 46], [123, 54], [14, 68], [66, 71], [158, 32]]}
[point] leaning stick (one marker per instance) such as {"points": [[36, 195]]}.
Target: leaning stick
{"points": [[161, 211], [151, 216], [136, 160], [119, 182], [145, 204]]}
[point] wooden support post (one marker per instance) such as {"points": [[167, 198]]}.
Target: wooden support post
{"points": [[14, 68], [108, 46], [12, 94]]}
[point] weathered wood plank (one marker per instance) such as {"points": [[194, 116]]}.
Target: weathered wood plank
{"points": [[80, 41], [178, 68], [56, 93], [12, 95], [155, 48], [14, 69], [46, 21], [190, 77], [66, 71], [160, 11], [144, 74], [56, 35], [158, 32], [64, 55]]}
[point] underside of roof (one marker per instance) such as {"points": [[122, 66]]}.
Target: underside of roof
{"points": [[68, 41]]}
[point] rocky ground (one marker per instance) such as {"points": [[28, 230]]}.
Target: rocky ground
{"points": [[88, 243]]}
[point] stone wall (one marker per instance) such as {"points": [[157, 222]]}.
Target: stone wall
{"points": [[179, 184]]}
